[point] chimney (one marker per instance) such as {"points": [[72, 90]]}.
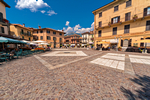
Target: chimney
{"points": [[23, 25], [62, 30], [39, 27]]}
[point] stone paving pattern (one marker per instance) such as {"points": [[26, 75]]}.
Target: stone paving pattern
{"points": [[28, 79]]}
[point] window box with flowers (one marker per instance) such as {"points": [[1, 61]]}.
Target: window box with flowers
{"points": [[109, 24], [135, 17]]}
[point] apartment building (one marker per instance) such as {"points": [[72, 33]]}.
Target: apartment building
{"points": [[87, 38], [73, 40], [122, 23], [21, 31], [51, 36], [4, 23]]}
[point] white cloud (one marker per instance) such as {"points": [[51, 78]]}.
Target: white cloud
{"points": [[51, 12], [43, 11], [78, 29], [33, 5], [67, 23]]}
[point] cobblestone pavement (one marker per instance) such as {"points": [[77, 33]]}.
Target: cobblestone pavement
{"points": [[77, 79]]}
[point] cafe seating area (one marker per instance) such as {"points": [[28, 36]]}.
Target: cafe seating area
{"points": [[9, 53]]}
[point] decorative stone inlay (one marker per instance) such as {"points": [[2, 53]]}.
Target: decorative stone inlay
{"points": [[66, 53], [111, 60], [140, 59]]}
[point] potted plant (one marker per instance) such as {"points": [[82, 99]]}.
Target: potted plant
{"points": [[109, 24], [120, 22], [120, 49], [92, 46], [92, 39], [135, 17]]}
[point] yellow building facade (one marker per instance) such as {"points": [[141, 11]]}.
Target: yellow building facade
{"points": [[21, 31], [122, 23], [53, 37]]}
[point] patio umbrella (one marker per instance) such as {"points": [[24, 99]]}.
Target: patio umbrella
{"points": [[8, 40], [39, 41], [144, 41], [103, 42]]}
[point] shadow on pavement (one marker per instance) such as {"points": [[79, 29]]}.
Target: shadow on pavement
{"points": [[141, 94]]}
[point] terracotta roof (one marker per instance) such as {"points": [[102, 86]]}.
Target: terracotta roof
{"points": [[105, 6], [22, 26], [48, 29], [6, 5], [86, 33]]}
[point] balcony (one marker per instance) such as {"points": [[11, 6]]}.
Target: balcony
{"points": [[26, 34], [75, 39], [84, 38], [136, 17], [4, 22]]}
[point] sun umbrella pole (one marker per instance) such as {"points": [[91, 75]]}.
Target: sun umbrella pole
{"points": [[145, 47], [3, 46]]}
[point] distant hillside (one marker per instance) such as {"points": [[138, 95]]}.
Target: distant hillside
{"points": [[73, 33]]}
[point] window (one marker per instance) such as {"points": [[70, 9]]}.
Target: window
{"points": [[37, 32], [1, 17], [115, 31], [2, 30], [127, 16], [127, 29], [54, 38], [100, 14], [41, 31], [48, 31], [29, 39], [115, 20], [128, 3], [60, 39], [99, 33], [147, 11], [148, 25], [100, 24], [41, 37], [48, 38], [60, 33], [54, 32], [22, 37], [116, 8], [22, 31]]}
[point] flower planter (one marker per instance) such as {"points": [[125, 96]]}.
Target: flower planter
{"points": [[119, 49]]}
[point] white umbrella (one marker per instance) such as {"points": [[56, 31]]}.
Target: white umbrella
{"points": [[25, 41], [44, 43], [39, 41]]}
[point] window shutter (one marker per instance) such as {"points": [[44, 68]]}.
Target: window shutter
{"points": [[145, 12], [2, 28], [118, 18], [121, 43], [1, 17], [112, 21]]}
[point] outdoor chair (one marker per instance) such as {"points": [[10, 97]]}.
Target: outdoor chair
{"points": [[18, 53], [3, 57]]}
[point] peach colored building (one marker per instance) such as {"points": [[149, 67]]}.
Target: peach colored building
{"points": [[21, 31], [54, 37], [122, 22], [73, 40], [4, 23]]}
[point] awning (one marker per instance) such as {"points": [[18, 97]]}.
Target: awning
{"points": [[91, 43], [72, 44], [111, 40], [8, 40]]}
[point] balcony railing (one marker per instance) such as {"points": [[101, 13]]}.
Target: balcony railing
{"points": [[27, 34], [124, 20]]}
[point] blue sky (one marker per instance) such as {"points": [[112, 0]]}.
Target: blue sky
{"points": [[70, 15]]}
